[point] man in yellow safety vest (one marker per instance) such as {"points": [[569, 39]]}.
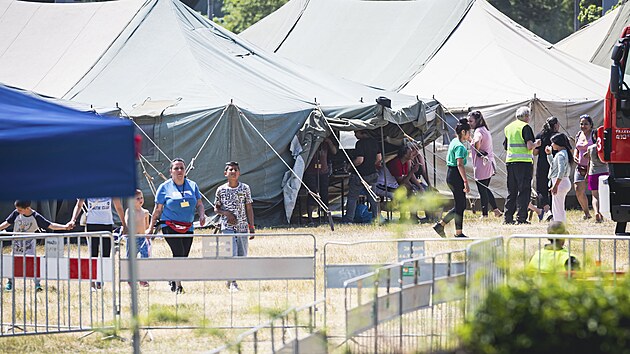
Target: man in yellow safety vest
{"points": [[553, 257], [519, 143]]}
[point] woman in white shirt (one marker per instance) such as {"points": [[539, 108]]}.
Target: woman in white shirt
{"points": [[99, 217], [559, 171]]}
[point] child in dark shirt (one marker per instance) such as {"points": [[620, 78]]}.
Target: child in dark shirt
{"points": [[25, 219]]}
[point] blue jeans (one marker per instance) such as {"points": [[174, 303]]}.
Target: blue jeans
{"points": [[142, 246], [355, 187], [239, 243]]}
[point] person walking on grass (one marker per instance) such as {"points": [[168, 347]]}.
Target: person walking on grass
{"points": [[483, 162], [559, 171], [25, 219], [583, 140], [233, 201], [456, 179], [176, 201], [99, 217], [596, 168], [141, 220]]}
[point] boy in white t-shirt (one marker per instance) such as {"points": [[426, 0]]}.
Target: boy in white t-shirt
{"points": [[233, 201], [25, 219], [143, 244]]}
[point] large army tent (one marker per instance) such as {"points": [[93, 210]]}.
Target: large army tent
{"points": [[468, 55], [201, 93], [595, 41]]}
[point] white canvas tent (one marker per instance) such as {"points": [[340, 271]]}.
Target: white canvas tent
{"points": [[595, 41], [479, 58], [201, 93]]}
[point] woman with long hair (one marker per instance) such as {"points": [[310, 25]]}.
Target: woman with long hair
{"points": [[483, 162], [559, 172], [550, 128], [583, 140], [596, 168], [456, 179]]}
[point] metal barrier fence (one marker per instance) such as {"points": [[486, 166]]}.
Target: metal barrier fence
{"points": [[54, 285], [391, 310], [346, 260], [485, 270], [595, 256], [277, 266], [293, 331]]}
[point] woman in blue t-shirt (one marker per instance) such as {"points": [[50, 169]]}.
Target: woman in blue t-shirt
{"points": [[175, 203], [456, 179]]}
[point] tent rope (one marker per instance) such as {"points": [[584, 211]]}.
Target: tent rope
{"points": [[191, 166], [153, 167], [148, 138], [566, 115], [147, 177], [160, 150], [315, 196]]}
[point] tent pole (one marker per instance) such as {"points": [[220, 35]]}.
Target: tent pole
{"points": [[434, 170], [424, 151], [132, 274], [378, 208]]}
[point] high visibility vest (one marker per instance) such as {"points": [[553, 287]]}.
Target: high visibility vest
{"points": [[548, 261], [516, 147]]}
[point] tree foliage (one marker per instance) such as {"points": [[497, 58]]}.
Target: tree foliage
{"points": [[549, 19], [240, 14], [589, 11]]}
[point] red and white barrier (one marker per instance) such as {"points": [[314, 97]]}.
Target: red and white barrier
{"points": [[57, 268]]}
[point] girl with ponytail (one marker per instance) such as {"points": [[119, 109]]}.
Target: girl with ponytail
{"points": [[456, 179], [559, 171]]}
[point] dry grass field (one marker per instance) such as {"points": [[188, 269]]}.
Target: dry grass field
{"points": [[207, 303]]}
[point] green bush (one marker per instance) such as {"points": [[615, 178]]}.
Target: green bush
{"points": [[551, 314]]}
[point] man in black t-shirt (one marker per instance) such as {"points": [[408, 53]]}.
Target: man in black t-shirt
{"points": [[367, 155]]}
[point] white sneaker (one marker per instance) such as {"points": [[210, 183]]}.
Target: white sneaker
{"points": [[234, 287]]}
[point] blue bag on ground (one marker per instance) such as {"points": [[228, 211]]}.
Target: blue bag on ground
{"points": [[362, 215]]}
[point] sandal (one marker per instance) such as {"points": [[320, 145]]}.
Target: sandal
{"points": [[599, 218]]}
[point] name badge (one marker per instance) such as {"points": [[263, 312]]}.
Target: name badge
{"points": [[184, 204]]}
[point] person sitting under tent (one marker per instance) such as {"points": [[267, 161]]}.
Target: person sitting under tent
{"points": [[403, 168], [422, 173], [316, 175], [553, 257], [385, 184], [367, 155]]}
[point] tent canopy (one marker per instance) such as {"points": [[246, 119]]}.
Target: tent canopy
{"points": [[379, 43], [469, 56], [201, 93], [56, 44], [595, 41], [54, 152]]}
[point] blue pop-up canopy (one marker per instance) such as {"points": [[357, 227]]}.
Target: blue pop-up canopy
{"points": [[48, 151]]}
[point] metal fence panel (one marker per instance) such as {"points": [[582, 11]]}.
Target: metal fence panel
{"points": [[56, 285]]}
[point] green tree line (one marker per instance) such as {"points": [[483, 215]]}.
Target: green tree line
{"points": [[552, 20]]}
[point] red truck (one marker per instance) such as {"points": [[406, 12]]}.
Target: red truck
{"points": [[613, 138]]}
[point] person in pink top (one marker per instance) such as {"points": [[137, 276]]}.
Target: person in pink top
{"points": [[583, 140], [483, 162]]}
